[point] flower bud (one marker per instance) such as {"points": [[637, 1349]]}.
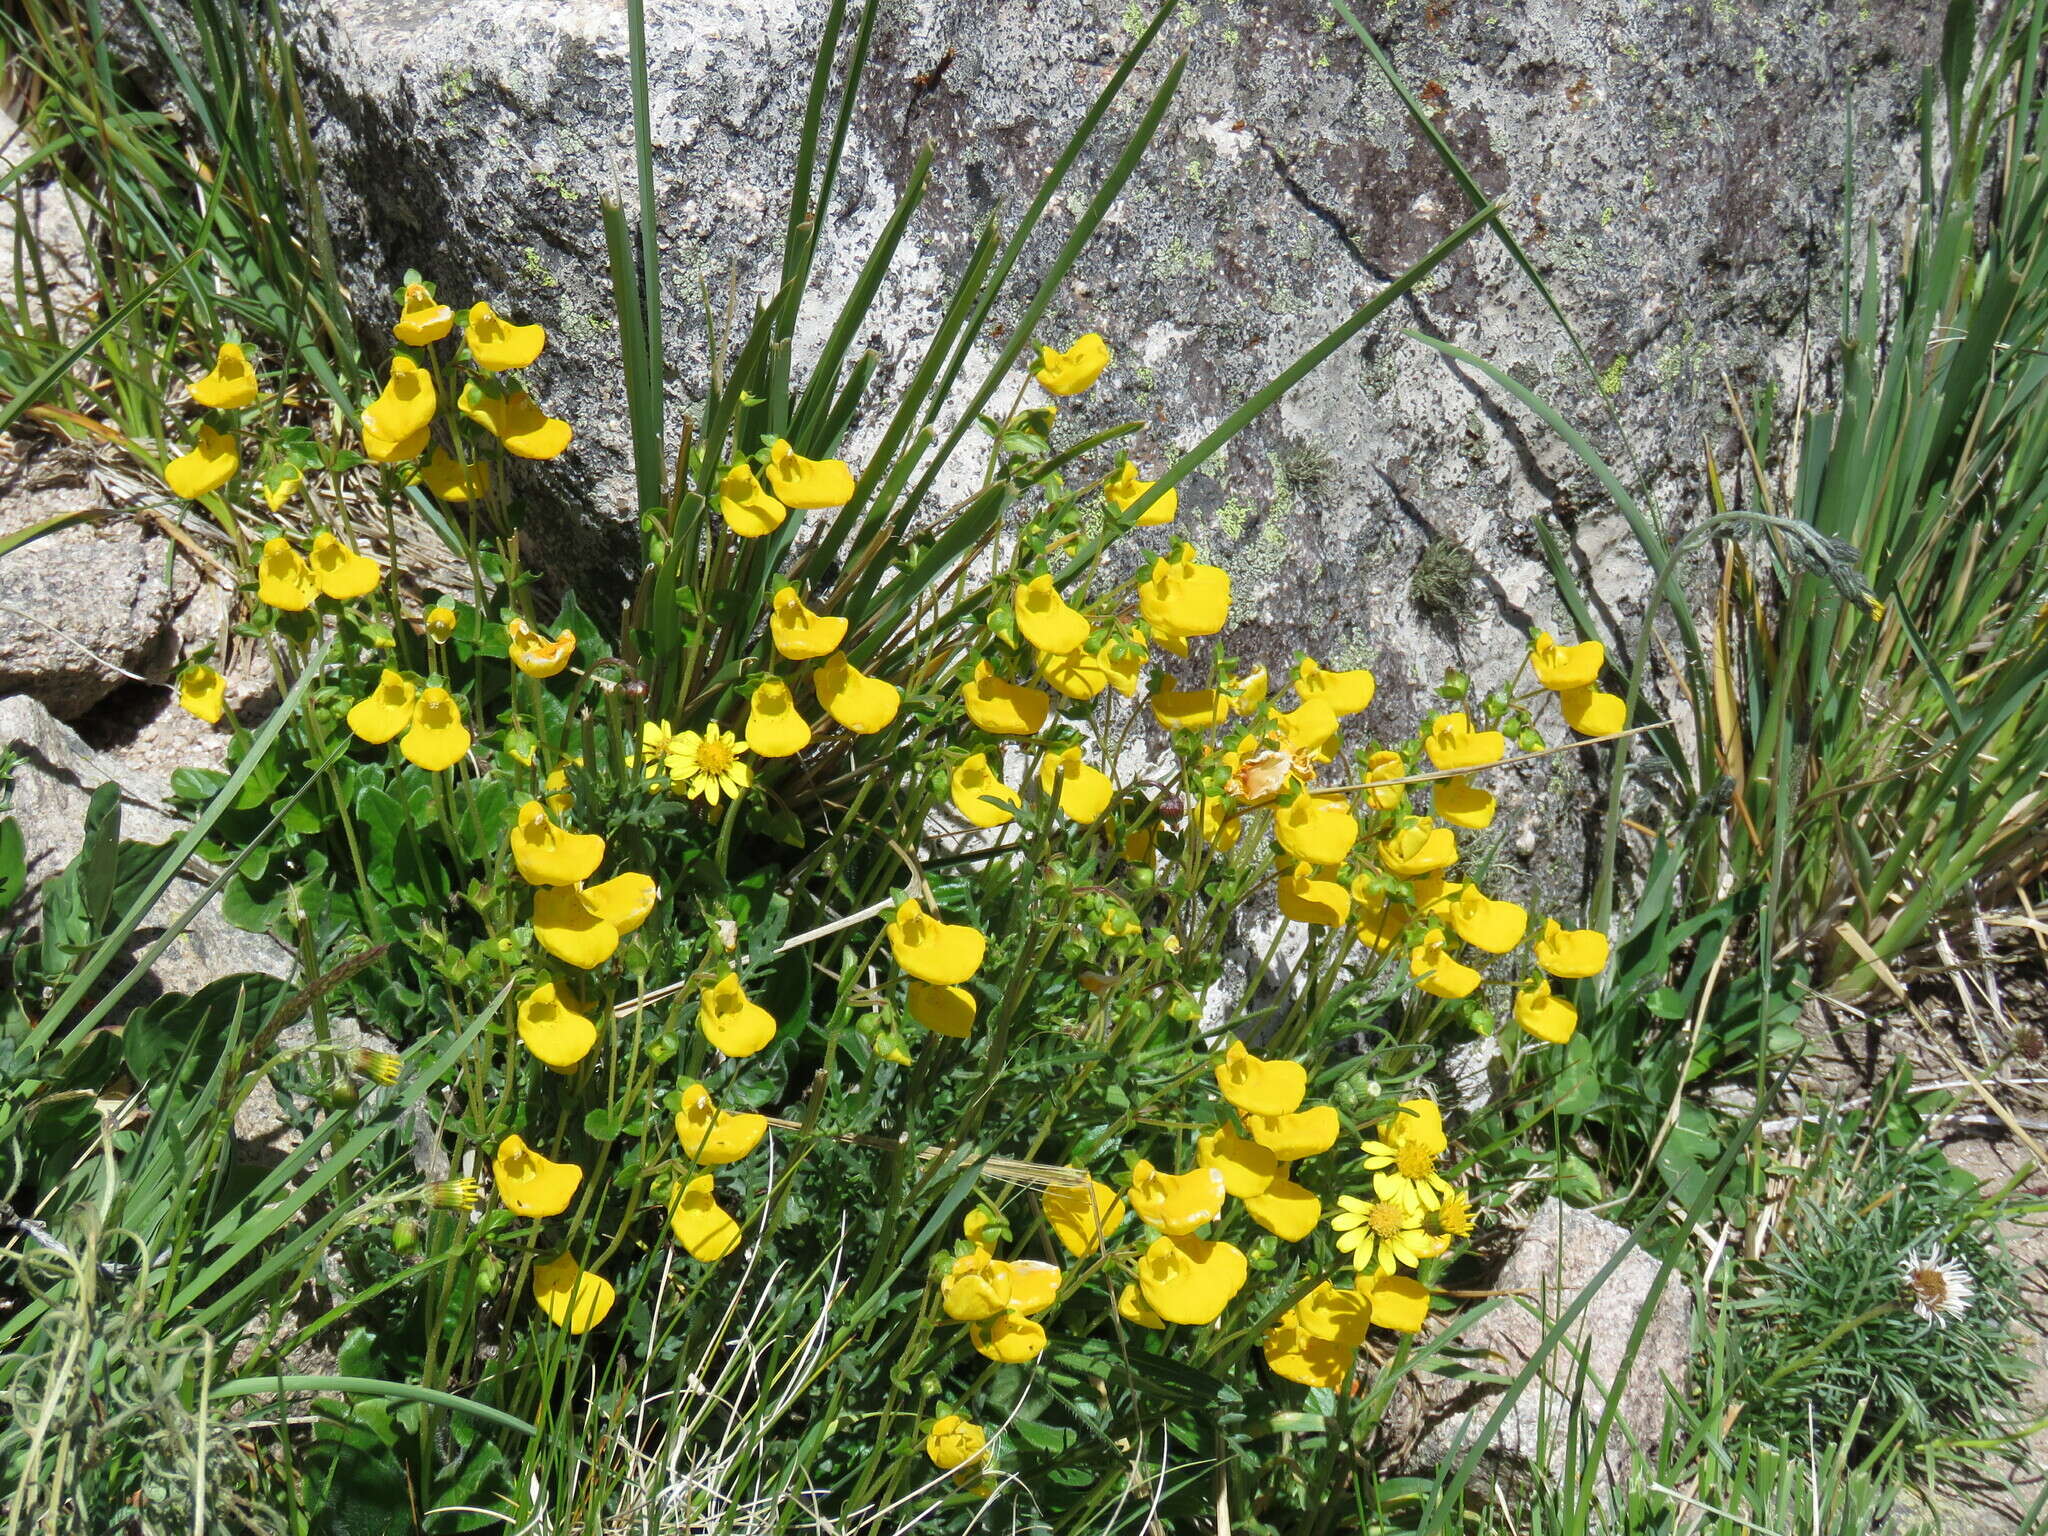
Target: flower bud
{"points": [[405, 1234], [635, 690]]}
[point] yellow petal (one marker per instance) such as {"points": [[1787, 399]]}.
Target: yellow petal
{"points": [[1132, 1307], [1045, 619], [1194, 709], [571, 1296], [545, 854], [1305, 899], [341, 572], [1180, 598], [1562, 668], [622, 901], [232, 383], [423, 319], [557, 1034], [1077, 675], [515, 420], [497, 346], [1071, 371], [954, 1442], [452, 480], [569, 930], [1316, 829], [1381, 766], [1034, 1284], [944, 954], [384, 450], [1257, 1087], [1084, 792], [1593, 713], [774, 728], [1294, 1353], [1301, 1134], [1494, 926], [947, 1011], [1437, 973], [1003, 708], [1571, 952], [283, 579], [700, 1224], [1452, 743], [1176, 1203], [1012, 1339], [1463, 804], [711, 1136], [1191, 1280], [1248, 1169], [406, 405], [861, 703], [747, 508], [800, 634], [1399, 1302], [387, 710], [1421, 848], [209, 465], [978, 795], [976, 1288], [806, 484], [1338, 1315], [531, 1185], [1542, 1013], [1287, 1210], [536, 655], [1348, 693], [438, 739], [730, 1021], [1125, 489], [202, 692], [1081, 1215]]}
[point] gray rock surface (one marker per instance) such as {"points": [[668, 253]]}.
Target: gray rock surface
{"points": [[1551, 1424], [42, 239], [53, 781]]}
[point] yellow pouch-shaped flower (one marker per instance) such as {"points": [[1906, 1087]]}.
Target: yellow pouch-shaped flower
{"points": [[712, 1137], [1081, 1215], [202, 692], [1380, 767], [1191, 709], [569, 930], [572, 1297], [1084, 792], [1132, 1307], [1311, 730], [1452, 743], [1034, 1284], [1400, 1303], [1045, 619], [340, 572], [1571, 952], [210, 464], [1482, 922], [1380, 922], [1248, 1169], [281, 485], [1545, 1015], [954, 1442], [1561, 668], [496, 346], [1256, 1087], [1420, 848], [1437, 973], [1593, 713], [557, 1034], [731, 1021], [422, 319], [1176, 1203], [1287, 1210], [547, 855], [384, 450], [1316, 829], [862, 704], [1416, 1122], [283, 579], [452, 480], [976, 1288], [1078, 675], [438, 738], [1463, 804], [1347, 693], [517, 421], [947, 1011], [1337, 1315], [536, 655], [1071, 371], [700, 1224], [1304, 1133], [387, 710], [978, 795], [1190, 1280], [230, 385], [1181, 598], [944, 954], [746, 506], [1305, 899], [406, 404], [774, 728], [1297, 1355], [1003, 708], [1012, 1339], [531, 1185], [807, 484], [1124, 489], [800, 634]]}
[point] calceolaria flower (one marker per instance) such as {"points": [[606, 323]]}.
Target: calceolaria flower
{"points": [[1593, 713], [230, 385], [1347, 693], [1484, 923], [1248, 1169], [979, 795], [210, 464], [1176, 1203], [406, 405], [341, 572], [282, 484], [1288, 1210], [423, 319], [947, 1011], [386, 450], [531, 1185], [862, 704], [1046, 620], [1071, 371], [1550, 1018], [1084, 792], [1182, 598], [708, 766], [1436, 972], [387, 709], [1937, 1286], [1190, 1280], [1463, 804], [745, 504], [1259, 1087], [955, 1442], [1420, 848], [1561, 668], [437, 738], [1416, 1120], [732, 1022], [546, 854], [553, 1029], [976, 1288], [439, 623], [712, 1137], [1316, 829], [1124, 488], [1011, 1339], [533, 653], [807, 484], [582, 925], [512, 417], [944, 954], [496, 346], [774, 726], [704, 1228], [1380, 1234], [573, 1297], [1301, 1134], [1452, 743], [1571, 953], [1003, 708], [1081, 1215], [454, 481], [798, 633], [202, 692], [283, 579]]}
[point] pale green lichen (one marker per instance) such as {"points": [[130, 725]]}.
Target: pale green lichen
{"points": [[1134, 19], [1606, 217], [559, 187], [1760, 63], [456, 84], [1610, 378], [1234, 516], [536, 269]]}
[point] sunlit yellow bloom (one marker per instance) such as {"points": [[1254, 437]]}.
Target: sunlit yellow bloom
{"points": [[954, 1442], [800, 634], [805, 484], [437, 738], [1382, 766], [202, 692], [1180, 599], [1176, 1203], [1400, 1303], [981, 1226], [1380, 1234], [283, 579], [745, 504], [424, 319], [533, 653], [380, 1067], [403, 450], [1081, 1216], [1123, 658], [1436, 972], [1190, 1280], [208, 466], [496, 346], [1571, 952], [1335, 1314], [947, 1011], [700, 1224], [774, 727], [1544, 1014], [976, 1288], [232, 383], [1420, 848], [572, 1297], [1257, 1087], [1463, 804], [514, 419], [731, 1021], [1482, 922], [1077, 675], [550, 1027], [582, 925], [1304, 1133], [558, 799], [1406, 1170], [944, 954], [545, 854], [1071, 371], [406, 404], [1379, 922], [281, 485], [1248, 1169], [1316, 829], [386, 711], [1310, 730], [979, 795], [1305, 899], [1288, 1210], [1124, 489], [1561, 668], [1034, 1284], [863, 704], [340, 572], [1452, 743], [657, 740], [1084, 792], [708, 766], [1194, 709], [1454, 1217], [1294, 1353], [1011, 1339], [1003, 708], [1593, 713], [1046, 620], [452, 480], [1415, 1122], [1348, 693], [712, 1137], [531, 1185], [1132, 1307]]}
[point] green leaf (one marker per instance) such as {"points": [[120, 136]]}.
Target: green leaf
{"points": [[13, 863]]}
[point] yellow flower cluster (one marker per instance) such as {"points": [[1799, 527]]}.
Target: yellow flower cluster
{"points": [[999, 1299], [1414, 1213]]}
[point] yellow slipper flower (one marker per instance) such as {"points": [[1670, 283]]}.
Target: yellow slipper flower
{"points": [[1181, 598], [558, 1035], [800, 634], [514, 419], [1084, 792], [976, 1288], [1316, 829], [1190, 1280], [1256, 1087], [1004, 708], [1304, 1133], [281, 485], [210, 464], [1348, 693], [1416, 1122], [1034, 1284], [422, 318], [437, 739], [386, 711], [774, 728], [1124, 489], [1297, 1355], [1545, 1015], [573, 1297], [700, 1224], [340, 572], [1071, 371], [1045, 619], [732, 1022], [1571, 952], [747, 508], [1379, 922], [230, 385], [709, 1135], [283, 579], [1463, 804], [1081, 1215], [1248, 1169], [546, 854], [1452, 743], [1012, 1339], [1562, 668], [944, 954], [1482, 922], [860, 703], [1176, 1203], [1381, 766], [1132, 1307], [1420, 848], [947, 1011], [1400, 1303], [452, 480], [531, 1185], [202, 692], [807, 484], [1191, 709], [1305, 899], [1287, 1210], [1339, 1315], [1437, 973], [406, 404], [978, 795], [1310, 730], [1593, 713], [955, 1442], [384, 450], [496, 346], [1079, 675], [582, 926], [536, 655]]}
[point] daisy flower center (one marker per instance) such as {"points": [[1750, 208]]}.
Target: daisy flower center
{"points": [[1929, 1284], [714, 756], [1386, 1218], [1413, 1161]]}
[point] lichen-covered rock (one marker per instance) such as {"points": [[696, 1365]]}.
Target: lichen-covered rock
{"points": [[44, 242]]}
